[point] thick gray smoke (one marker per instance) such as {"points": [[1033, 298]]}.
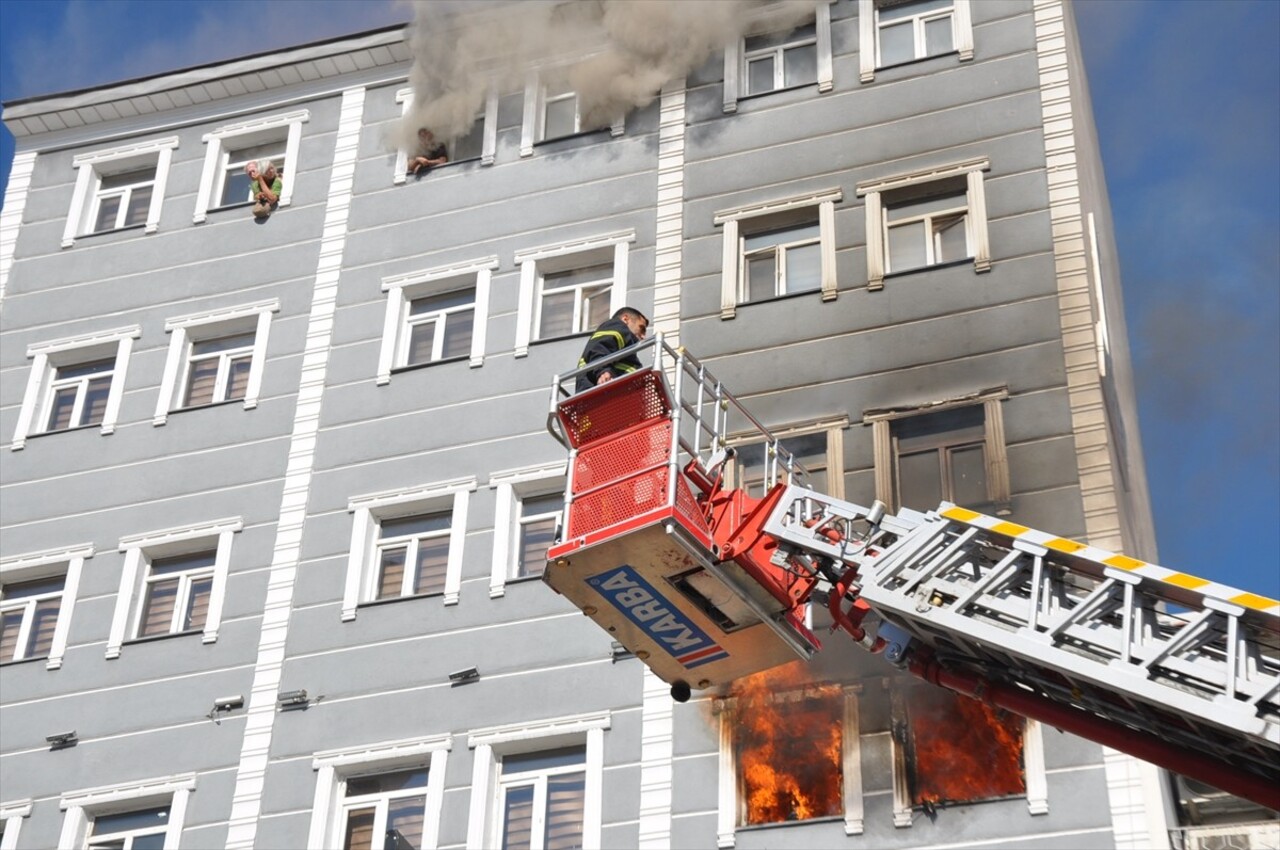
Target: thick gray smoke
{"points": [[616, 54]]}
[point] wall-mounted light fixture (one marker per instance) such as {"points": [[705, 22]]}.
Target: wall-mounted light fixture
{"points": [[228, 703], [62, 740], [292, 699], [462, 677]]}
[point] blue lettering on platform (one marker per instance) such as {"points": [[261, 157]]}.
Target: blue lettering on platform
{"points": [[657, 617]]}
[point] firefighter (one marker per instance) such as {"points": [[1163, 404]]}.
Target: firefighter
{"points": [[627, 327]]}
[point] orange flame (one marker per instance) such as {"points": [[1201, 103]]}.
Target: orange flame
{"points": [[787, 734], [964, 749]]}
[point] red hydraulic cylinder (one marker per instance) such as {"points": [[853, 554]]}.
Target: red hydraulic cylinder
{"points": [[1136, 743]]}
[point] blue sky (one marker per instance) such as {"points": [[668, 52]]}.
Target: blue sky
{"points": [[1186, 95]]}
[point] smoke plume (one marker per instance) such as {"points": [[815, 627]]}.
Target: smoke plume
{"points": [[615, 54]]}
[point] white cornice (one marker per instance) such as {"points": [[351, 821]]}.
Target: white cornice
{"points": [[202, 86]]}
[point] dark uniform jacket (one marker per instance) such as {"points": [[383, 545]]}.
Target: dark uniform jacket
{"points": [[610, 337]]}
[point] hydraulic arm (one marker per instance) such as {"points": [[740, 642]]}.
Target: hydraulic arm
{"points": [[707, 583]]}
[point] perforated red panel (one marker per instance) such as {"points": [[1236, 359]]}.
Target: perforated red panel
{"points": [[687, 505], [628, 498], [629, 400], [631, 451]]}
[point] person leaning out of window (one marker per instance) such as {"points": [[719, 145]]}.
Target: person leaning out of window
{"points": [[264, 187], [429, 154]]}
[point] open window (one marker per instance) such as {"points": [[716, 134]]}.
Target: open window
{"points": [[530, 510], [553, 110], [75, 383], [223, 182], [777, 248], [214, 357], [775, 55], [571, 288], [173, 582], [932, 217], [407, 543], [119, 189], [894, 32], [479, 142], [37, 599], [538, 785], [436, 315], [386, 795]]}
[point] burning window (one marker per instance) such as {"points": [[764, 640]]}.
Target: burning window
{"points": [[787, 744], [958, 750]]}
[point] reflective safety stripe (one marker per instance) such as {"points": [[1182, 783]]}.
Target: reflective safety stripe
{"points": [[621, 342]]}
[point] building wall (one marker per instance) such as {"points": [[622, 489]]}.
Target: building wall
{"points": [[326, 432]]}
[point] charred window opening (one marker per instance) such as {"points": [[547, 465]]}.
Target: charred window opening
{"points": [[787, 742], [958, 750]]}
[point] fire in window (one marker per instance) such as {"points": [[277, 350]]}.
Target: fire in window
{"points": [[787, 746], [958, 750]]}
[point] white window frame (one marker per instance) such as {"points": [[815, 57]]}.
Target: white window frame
{"points": [[68, 563], [255, 131], [933, 234], [728, 807], [735, 59], [492, 743], [872, 192], [535, 114], [511, 487], [994, 447], [139, 550], [12, 814], [368, 511], [489, 144], [536, 262], [869, 36], [182, 597], [47, 357], [733, 266], [81, 807], [334, 767], [403, 289], [185, 330], [90, 169]]}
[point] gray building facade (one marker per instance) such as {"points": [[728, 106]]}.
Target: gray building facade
{"points": [[270, 486]]}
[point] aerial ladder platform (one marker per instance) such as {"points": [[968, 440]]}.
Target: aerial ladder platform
{"points": [[707, 584]]}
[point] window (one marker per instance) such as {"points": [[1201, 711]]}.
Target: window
{"points": [[926, 218], [558, 112], [75, 383], [175, 596], [146, 815], [569, 289], [215, 356], [227, 149], [11, 817], [434, 315], [37, 596], [778, 248], [138, 830], [776, 55], [407, 543], [927, 230], [178, 577], [752, 462], [480, 141], [412, 556], [953, 452], [439, 327], [538, 786], [119, 188], [779, 61], [530, 509], [553, 110], [896, 31], [573, 301], [385, 796]]}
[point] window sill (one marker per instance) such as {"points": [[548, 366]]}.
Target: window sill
{"points": [[97, 233], [409, 175], [373, 603], [15, 662], [578, 135], [578, 335], [947, 265], [525, 579], [779, 90], [206, 406], [166, 636], [817, 290], [413, 367], [64, 430], [916, 61]]}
